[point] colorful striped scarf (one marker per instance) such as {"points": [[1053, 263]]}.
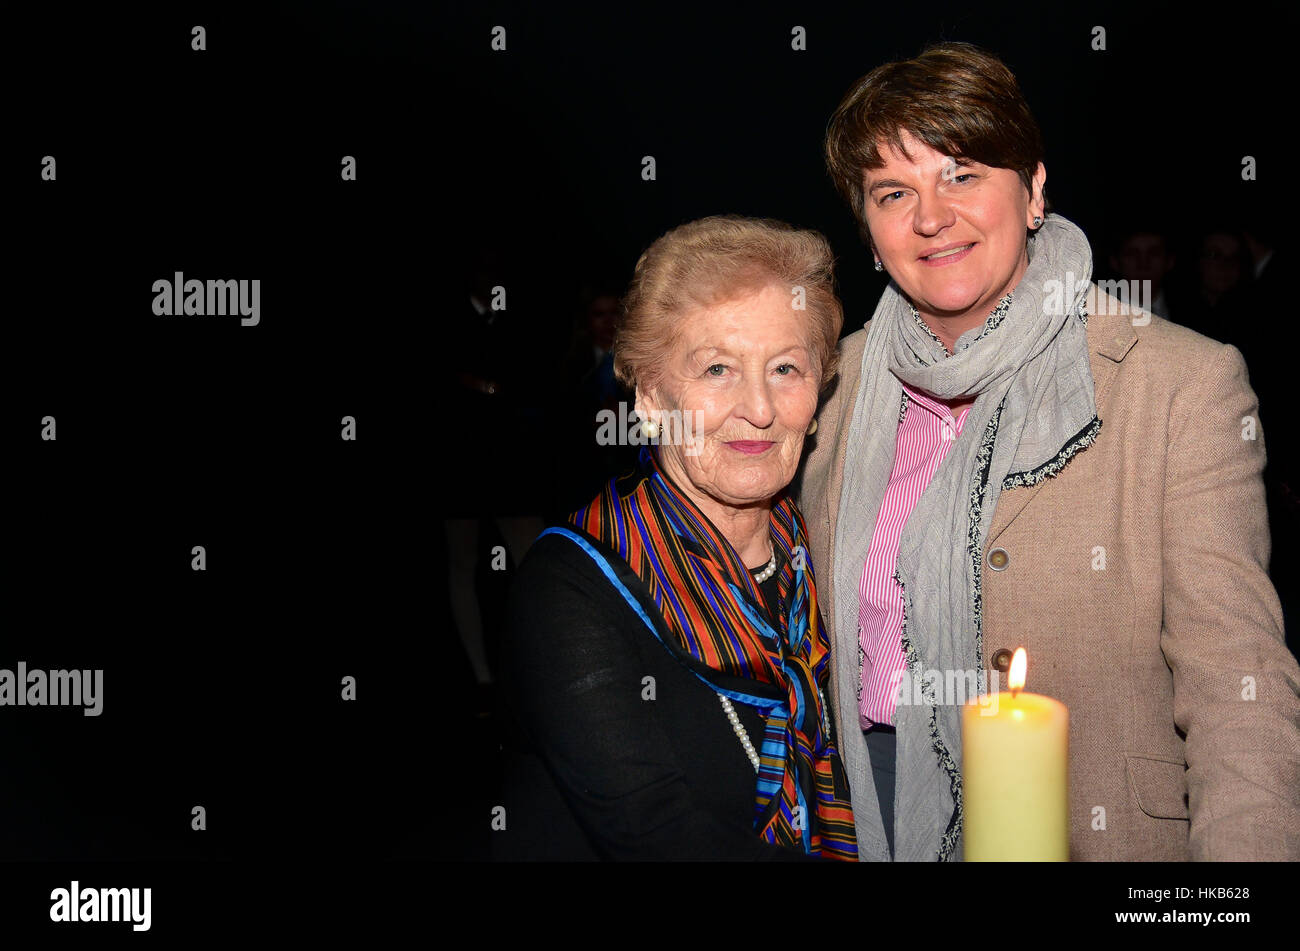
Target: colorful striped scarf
{"points": [[712, 607]]}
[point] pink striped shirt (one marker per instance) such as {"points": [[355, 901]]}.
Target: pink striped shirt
{"points": [[925, 434]]}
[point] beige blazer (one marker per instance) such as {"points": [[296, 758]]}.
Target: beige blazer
{"points": [[1136, 579]]}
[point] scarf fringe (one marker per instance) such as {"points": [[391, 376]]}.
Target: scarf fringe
{"points": [[1082, 440], [979, 484], [953, 831]]}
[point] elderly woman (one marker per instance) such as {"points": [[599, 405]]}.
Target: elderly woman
{"points": [[1013, 458], [667, 658]]}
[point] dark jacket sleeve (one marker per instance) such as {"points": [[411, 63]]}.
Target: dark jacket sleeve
{"points": [[576, 680]]}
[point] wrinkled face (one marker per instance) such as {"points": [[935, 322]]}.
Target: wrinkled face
{"points": [[951, 232], [744, 380]]}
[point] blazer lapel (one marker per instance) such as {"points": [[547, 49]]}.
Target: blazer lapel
{"points": [[1110, 338]]}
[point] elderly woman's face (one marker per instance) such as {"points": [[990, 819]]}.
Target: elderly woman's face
{"points": [[950, 232], [745, 381]]}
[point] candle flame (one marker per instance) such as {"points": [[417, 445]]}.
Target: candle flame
{"points": [[1016, 675]]}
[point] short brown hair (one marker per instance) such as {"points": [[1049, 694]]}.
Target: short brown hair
{"points": [[955, 97], [716, 259]]}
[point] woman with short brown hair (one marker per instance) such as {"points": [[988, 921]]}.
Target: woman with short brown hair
{"points": [[1014, 458]]}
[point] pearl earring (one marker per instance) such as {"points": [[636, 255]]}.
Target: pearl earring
{"points": [[650, 428]]}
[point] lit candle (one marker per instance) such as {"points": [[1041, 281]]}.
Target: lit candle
{"points": [[1015, 774]]}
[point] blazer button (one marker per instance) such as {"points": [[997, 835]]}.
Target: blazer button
{"points": [[1002, 659], [999, 559]]}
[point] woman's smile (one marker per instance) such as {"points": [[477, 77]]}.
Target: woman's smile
{"points": [[948, 255], [751, 447]]}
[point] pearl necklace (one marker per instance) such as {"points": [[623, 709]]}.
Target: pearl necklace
{"points": [[734, 718], [743, 735], [739, 729]]}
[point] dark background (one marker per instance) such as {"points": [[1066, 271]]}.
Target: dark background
{"points": [[328, 558]]}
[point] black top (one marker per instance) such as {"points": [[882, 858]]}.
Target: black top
{"points": [[608, 764]]}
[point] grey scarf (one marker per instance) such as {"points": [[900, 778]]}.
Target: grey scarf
{"points": [[1028, 366]]}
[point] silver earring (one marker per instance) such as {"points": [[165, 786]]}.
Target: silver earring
{"points": [[879, 266], [1038, 221]]}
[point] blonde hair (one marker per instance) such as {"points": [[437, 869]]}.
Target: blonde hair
{"points": [[706, 262]]}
